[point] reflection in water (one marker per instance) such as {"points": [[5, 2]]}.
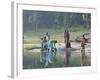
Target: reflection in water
{"points": [[83, 57], [67, 56], [64, 57]]}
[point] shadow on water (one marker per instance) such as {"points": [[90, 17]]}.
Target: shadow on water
{"points": [[63, 58]]}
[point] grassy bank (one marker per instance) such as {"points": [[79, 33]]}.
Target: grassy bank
{"points": [[33, 38]]}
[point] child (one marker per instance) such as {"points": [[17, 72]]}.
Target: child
{"points": [[83, 41]]}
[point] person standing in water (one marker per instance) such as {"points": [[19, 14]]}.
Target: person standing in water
{"points": [[82, 57], [67, 48], [67, 39], [66, 36], [83, 41]]}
